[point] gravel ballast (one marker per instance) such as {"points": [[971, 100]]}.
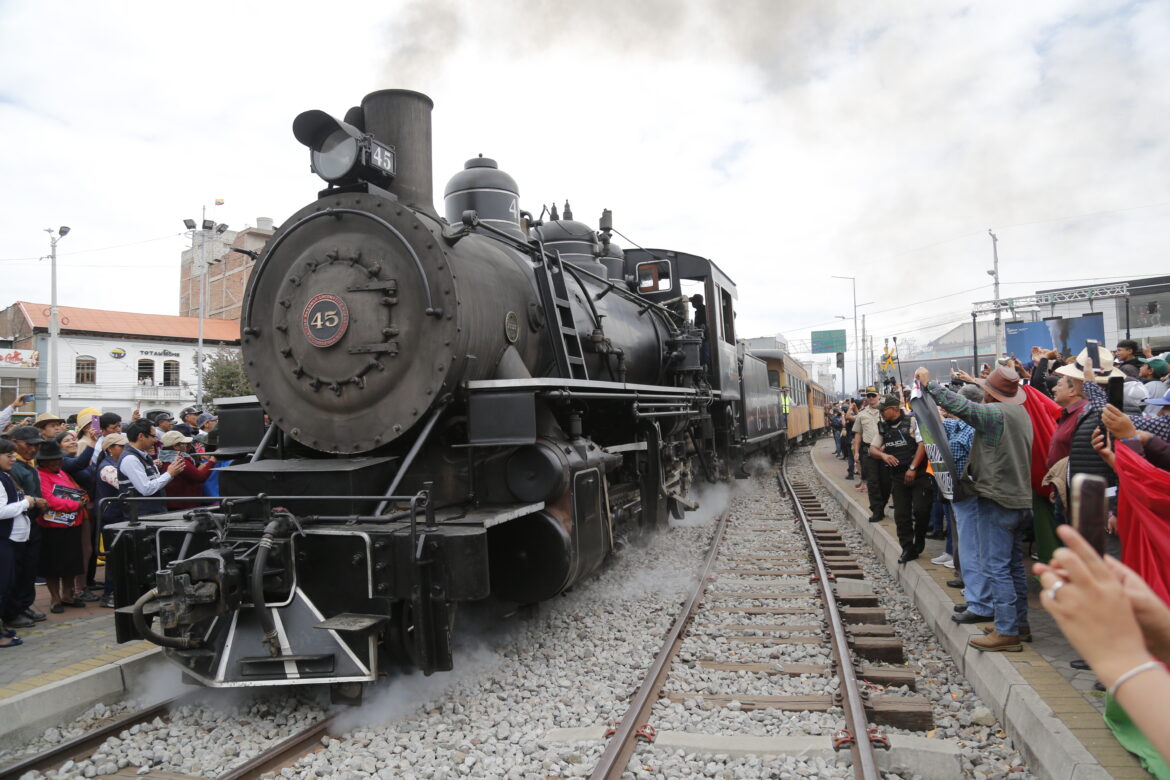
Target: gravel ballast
{"points": [[575, 665]]}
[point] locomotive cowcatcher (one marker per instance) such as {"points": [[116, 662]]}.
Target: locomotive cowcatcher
{"points": [[479, 405]]}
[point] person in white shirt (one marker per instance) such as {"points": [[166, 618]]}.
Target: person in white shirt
{"points": [[138, 466], [14, 530]]}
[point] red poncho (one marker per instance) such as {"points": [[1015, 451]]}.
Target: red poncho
{"points": [[1143, 519], [1043, 411]]}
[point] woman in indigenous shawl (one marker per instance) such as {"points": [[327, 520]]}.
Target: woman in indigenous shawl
{"points": [[61, 543]]}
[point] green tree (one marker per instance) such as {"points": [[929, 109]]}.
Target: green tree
{"points": [[224, 375]]}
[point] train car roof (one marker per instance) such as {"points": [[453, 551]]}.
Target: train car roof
{"points": [[689, 265]]}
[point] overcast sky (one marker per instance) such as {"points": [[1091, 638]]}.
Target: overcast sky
{"points": [[788, 141]]}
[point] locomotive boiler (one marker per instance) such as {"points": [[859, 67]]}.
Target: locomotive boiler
{"points": [[477, 405]]}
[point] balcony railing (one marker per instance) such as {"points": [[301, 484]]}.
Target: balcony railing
{"points": [[162, 393]]}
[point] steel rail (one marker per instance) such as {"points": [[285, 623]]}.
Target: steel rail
{"points": [[86, 743], [612, 764], [277, 756], [865, 765]]}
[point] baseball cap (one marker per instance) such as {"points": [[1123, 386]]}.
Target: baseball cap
{"points": [[1163, 401], [1158, 366], [26, 434], [205, 418], [163, 417], [109, 440], [171, 438], [889, 402]]}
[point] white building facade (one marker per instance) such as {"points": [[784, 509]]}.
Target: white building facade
{"points": [[111, 361]]}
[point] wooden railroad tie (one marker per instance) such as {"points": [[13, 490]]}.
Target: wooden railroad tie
{"points": [[905, 712], [878, 675]]}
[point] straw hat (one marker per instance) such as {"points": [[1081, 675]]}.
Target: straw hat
{"points": [[1102, 366]]}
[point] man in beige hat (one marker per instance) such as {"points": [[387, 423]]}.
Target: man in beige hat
{"points": [[49, 425], [1073, 438], [998, 475]]}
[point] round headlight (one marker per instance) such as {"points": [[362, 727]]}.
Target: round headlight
{"points": [[336, 156]]}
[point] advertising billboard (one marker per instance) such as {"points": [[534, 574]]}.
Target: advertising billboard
{"points": [[1064, 334]]}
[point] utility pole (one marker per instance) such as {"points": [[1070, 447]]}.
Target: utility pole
{"points": [[864, 354], [994, 273], [856, 340], [54, 320]]}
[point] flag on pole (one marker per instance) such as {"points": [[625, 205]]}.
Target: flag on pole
{"points": [[219, 201]]}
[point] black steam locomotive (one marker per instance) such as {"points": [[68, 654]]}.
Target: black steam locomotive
{"points": [[481, 405]]}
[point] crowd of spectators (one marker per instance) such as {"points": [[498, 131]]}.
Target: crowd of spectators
{"points": [[55, 474], [1019, 435]]}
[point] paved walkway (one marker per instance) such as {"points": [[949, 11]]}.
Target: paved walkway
{"points": [[1044, 662], [63, 645]]}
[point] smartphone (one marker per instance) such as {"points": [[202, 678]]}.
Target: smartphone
{"points": [[27, 397], [1089, 510], [1094, 353], [1115, 392], [954, 366]]}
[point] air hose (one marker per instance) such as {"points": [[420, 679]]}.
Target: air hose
{"points": [[176, 642], [267, 624]]}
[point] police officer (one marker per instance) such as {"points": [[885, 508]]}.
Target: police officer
{"points": [[901, 455], [865, 435]]}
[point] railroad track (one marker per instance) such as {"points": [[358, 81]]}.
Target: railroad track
{"points": [[274, 757], [812, 563]]}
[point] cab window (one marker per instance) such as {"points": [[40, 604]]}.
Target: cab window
{"points": [[773, 378], [728, 317], [654, 276]]}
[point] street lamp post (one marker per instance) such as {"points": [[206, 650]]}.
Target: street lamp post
{"points": [[856, 339], [207, 226], [54, 319], [994, 273]]}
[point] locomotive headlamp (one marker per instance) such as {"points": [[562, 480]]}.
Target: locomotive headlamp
{"points": [[339, 151]]}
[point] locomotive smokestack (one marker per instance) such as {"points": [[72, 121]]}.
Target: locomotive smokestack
{"points": [[402, 119]]}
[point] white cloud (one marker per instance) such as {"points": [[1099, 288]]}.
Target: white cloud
{"points": [[788, 141]]}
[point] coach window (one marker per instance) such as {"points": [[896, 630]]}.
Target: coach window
{"points": [[773, 378], [171, 373], [654, 277], [145, 372], [85, 370], [728, 317]]}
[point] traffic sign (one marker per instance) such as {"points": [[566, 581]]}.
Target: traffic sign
{"points": [[824, 341]]}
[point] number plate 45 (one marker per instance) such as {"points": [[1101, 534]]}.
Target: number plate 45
{"points": [[325, 320]]}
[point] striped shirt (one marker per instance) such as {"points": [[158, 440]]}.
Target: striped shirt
{"points": [[959, 436], [1159, 426]]}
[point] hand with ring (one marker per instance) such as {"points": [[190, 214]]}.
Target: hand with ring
{"points": [[1090, 606]]}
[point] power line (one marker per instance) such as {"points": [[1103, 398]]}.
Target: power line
{"points": [[96, 249]]}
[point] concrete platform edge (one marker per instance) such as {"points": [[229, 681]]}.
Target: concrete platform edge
{"points": [[28, 714], [1053, 752]]}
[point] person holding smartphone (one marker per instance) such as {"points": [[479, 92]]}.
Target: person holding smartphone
{"points": [[7, 412], [188, 482]]}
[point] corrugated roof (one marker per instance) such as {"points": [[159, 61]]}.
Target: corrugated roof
{"points": [[128, 323]]}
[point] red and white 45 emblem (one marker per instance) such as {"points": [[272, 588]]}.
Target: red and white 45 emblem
{"points": [[325, 320]]}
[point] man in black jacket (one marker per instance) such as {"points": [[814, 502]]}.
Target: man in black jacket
{"points": [[902, 452]]}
